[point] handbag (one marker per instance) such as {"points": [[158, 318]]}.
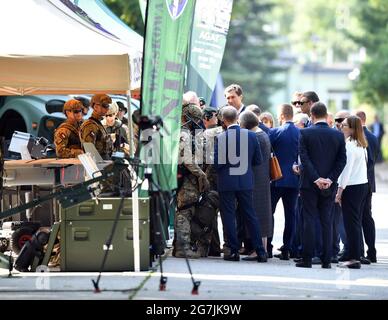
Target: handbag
{"points": [[274, 167]]}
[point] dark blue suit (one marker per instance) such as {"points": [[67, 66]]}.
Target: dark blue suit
{"points": [[263, 127], [285, 142], [368, 224], [323, 154], [236, 151]]}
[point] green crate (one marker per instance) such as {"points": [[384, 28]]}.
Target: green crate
{"points": [[86, 227]]}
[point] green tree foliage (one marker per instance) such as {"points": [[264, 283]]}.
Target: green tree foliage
{"points": [[129, 12], [315, 29], [250, 51], [372, 85]]}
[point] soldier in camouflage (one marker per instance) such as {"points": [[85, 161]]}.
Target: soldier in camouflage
{"points": [[207, 241], [194, 182], [119, 131], [66, 136], [92, 129]]}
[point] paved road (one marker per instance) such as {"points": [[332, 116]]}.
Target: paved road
{"points": [[223, 280]]}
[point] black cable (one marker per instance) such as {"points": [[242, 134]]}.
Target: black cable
{"points": [[108, 244]]}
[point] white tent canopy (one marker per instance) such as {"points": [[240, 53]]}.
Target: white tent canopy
{"points": [[46, 49]]}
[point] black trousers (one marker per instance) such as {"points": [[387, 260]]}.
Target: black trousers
{"points": [[317, 205], [368, 226], [353, 199]]}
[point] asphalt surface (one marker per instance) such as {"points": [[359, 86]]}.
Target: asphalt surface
{"points": [[221, 280]]}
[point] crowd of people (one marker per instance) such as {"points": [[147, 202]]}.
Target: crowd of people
{"points": [[327, 163]]}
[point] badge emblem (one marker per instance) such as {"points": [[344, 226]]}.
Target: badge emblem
{"points": [[176, 7]]}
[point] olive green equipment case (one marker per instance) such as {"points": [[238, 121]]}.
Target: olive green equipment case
{"points": [[85, 228]]}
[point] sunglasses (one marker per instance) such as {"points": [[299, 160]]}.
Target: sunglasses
{"points": [[303, 102], [294, 103], [77, 111], [339, 120]]}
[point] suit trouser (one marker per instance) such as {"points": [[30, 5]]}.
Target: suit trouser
{"points": [[317, 206], [353, 198], [368, 226], [228, 215], [289, 197]]}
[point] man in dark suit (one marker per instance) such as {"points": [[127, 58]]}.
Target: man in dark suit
{"points": [[377, 128], [323, 157], [236, 151], [234, 96], [368, 224], [285, 142], [306, 101]]}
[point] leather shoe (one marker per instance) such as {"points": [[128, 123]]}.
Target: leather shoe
{"points": [[372, 258], [262, 258], [284, 255], [303, 264], [232, 257], [298, 259], [350, 265], [343, 258], [364, 260], [326, 265], [334, 259], [249, 258]]}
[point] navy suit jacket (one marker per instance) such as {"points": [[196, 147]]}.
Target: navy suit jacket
{"points": [[322, 153], [234, 172], [263, 127], [373, 149], [285, 143]]}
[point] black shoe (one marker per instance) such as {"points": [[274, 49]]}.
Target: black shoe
{"points": [[364, 260], [303, 264], [262, 258], [343, 258], [250, 258], [334, 259], [355, 265], [232, 257], [284, 255], [326, 265], [372, 258], [269, 255], [350, 265], [298, 259]]}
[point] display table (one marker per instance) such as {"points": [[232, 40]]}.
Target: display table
{"points": [[44, 172]]}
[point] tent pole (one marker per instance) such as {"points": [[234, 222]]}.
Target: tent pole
{"points": [[135, 196], [130, 125]]}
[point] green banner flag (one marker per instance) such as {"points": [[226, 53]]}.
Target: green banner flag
{"points": [[167, 38], [210, 28]]}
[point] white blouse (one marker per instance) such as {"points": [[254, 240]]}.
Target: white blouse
{"points": [[355, 171]]}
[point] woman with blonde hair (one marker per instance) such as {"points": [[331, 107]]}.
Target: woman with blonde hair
{"points": [[267, 119], [353, 188]]}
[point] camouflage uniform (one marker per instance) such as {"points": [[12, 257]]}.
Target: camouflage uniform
{"points": [[66, 136], [193, 181], [208, 243], [93, 131]]}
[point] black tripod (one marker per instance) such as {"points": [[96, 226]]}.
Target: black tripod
{"points": [[160, 203]]}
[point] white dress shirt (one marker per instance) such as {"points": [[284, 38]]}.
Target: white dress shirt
{"points": [[355, 171]]}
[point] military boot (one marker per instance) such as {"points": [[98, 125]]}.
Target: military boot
{"points": [[189, 254]]}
